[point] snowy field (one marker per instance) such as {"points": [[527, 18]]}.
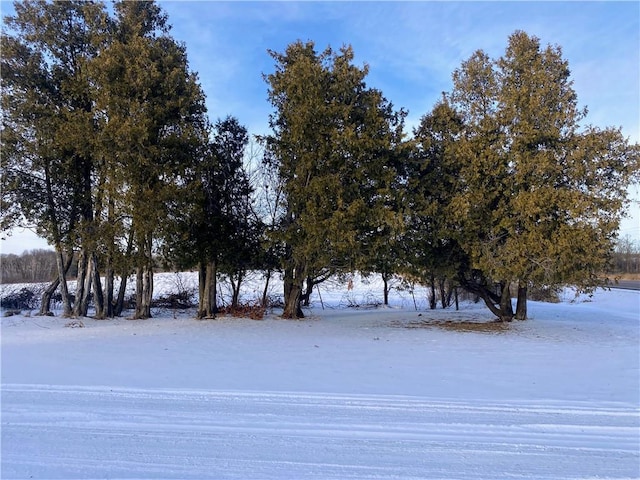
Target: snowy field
{"points": [[345, 393]]}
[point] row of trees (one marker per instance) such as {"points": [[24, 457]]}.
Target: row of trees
{"points": [[499, 186], [626, 257], [103, 123], [109, 153], [30, 267]]}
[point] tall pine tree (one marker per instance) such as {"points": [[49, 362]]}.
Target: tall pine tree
{"points": [[48, 128], [153, 128], [212, 229], [331, 142], [539, 198]]}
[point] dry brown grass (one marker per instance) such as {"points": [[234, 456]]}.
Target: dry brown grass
{"points": [[252, 311], [474, 326], [625, 276]]}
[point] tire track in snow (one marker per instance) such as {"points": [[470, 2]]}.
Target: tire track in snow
{"points": [[53, 431]]}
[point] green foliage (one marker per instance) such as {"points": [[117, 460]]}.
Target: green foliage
{"points": [[101, 122], [432, 179], [153, 115], [47, 115], [153, 129], [215, 218], [539, 199], [332, 145]]}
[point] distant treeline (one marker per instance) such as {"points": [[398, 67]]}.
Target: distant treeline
{"points": [[39, 265], [30, 267], [626, 258]]}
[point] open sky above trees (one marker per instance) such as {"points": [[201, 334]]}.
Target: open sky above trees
{"points": [[411, 47]]}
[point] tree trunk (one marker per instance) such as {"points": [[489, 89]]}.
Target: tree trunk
{"points": [[80, 283], [62, 279], [385, 288], [139, 275], [86, 267], [213, 290], [122, 290], [235, 286], [305, 297], [86, 290], [499, 304], [109, 273], [108, 291], [144, 280], [432, 295], [444, 298], [265, 291], [292, 304], [144, 292], [202, 278], [311, 281], [98, 297], [450, 293], [293, 292], [506, 308], [521, 305], [45, 304], [124, 276], [60, 264], [207, 305], [148, 290]]}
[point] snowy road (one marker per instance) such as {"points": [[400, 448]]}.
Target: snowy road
{"points": [[68, 432]]}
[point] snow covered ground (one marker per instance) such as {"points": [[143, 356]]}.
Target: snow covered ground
{"points": [[345, 393]]}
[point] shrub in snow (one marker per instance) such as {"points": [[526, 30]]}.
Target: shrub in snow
{"points": [[180, 300], [545, 294], [24, 299]]}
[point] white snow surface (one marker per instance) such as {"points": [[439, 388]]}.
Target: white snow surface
{"points": [[345, 393]]}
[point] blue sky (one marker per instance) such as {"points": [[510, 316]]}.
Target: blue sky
{"points": [[411, 48]]}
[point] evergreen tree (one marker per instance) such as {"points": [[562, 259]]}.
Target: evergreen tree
{"points": [[101, 117], [153, 127], [432, 254], [48, 124], [539, 199], [216, 228], [239, 242], [331, 139]]}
